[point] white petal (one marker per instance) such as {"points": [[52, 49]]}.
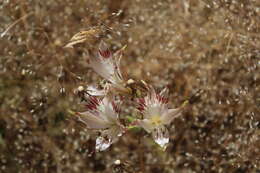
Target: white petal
{"points": [[111, 114], [171, 114], [161, 136], [108, 137], [93, 121], [104, 69], [146, 124], [102, 143], [152, 110], [107, 110]]}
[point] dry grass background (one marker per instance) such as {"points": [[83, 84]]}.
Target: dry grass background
{"points": [[183, 44]]}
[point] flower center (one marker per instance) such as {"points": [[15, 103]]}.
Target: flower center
{"points": [[156, 120]]}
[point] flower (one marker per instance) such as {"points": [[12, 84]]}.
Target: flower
{"points": [[156, 115], [107, 65], [102, 115]]}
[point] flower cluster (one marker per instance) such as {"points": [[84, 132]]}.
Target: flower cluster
{"points": [[103, 109]]}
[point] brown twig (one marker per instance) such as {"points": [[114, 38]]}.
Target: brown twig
{"points": [[14, 23]]}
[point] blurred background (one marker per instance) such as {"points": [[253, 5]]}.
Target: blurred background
{"points": [[186, 45]]}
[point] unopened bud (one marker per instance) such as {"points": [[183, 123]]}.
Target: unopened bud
{"points": [[117, 162], [130, 81], [80, 88]]}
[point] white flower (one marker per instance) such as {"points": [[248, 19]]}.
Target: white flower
{"points": [[107, 65], [102, 115], [156, 114]]}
